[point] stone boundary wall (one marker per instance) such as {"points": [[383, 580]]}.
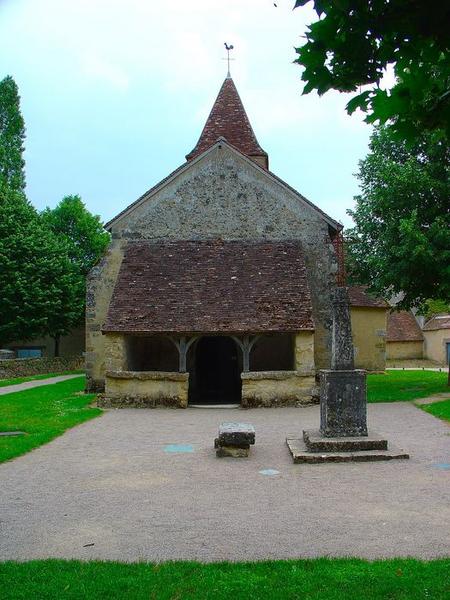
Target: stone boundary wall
{"points": [[277, 388], [144, 389], [23, 367]]}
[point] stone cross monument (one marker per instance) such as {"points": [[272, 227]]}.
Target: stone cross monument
{"points": [[343, 432], [343, 405]]}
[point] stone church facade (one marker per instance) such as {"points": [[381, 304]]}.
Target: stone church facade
{"points": [[216, 285]]}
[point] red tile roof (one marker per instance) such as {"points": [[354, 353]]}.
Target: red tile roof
{"points": [[359, 296], [437, 322], [229, 120], [211, 286], [403, 327]]}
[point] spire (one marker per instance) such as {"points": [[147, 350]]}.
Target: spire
{"points": [[229, 120]]}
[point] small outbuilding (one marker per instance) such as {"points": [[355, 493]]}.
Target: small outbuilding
{"points": [[436, 332], [404, 337], [368, 316]]}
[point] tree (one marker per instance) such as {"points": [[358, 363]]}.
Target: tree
{"points": [[354, 41], [85, 240], [83, 232], [401, 240], [12, 136], [35, 272]]}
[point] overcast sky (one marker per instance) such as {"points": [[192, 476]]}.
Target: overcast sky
{"points": [[115, 93]]}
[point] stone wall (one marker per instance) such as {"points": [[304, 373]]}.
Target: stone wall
{"points": [[23, 367], [404, 350], [369, 337], [145, 389], [277, 388], [100, 284], [304, 353]]}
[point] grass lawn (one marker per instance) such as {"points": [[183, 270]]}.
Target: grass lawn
{"points": [[43, 413], [5, 382], [394, 386], [438, 409], [325, 579]]}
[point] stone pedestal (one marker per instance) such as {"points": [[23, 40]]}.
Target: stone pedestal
{"points": [[343, 405]]}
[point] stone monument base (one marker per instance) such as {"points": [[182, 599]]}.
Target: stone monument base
{"points": [[315, 448], [343, 404]]}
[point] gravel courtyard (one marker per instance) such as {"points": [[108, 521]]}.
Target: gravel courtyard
{"points": [[113, 488]]}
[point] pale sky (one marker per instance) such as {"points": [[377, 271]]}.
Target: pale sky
{"points": [[115, 93]]}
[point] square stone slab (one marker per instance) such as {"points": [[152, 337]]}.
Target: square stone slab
{"points": [[316, 442], [300, 454], [236, 434]]}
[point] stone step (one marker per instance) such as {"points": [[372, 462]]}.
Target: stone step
{"points": [[300, 454], [316, 442]]}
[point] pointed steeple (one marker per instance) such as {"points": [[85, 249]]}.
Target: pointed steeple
{"points": [[229, 120]]}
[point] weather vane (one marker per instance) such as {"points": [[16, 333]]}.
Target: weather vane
{"points": [[228, 48]]}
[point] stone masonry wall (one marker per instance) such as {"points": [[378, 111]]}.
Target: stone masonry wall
{"points": [[100, 285], [23, 367], [276, 388], [145, 390], [304, 353]]}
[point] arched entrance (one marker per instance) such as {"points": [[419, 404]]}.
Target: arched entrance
{"points": [[215, 376]]}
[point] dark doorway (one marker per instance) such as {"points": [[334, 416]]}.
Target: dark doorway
{"points": [[215, 376]]}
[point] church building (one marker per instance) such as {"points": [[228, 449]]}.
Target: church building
{"points": [[216, 286]]}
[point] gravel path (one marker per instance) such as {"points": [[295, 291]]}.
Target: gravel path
{"points": [[18, 387], [108, 489], [432, 399]]}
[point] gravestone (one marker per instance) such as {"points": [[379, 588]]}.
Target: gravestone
{"points": [[343, 434]]}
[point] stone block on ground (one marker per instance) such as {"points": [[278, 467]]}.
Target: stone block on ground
{"points": [[240, 435], [232, 451]]}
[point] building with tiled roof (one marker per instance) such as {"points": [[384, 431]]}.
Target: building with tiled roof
{"points": [[436, 332], [216, 286], [368, 315], [404, 336]]}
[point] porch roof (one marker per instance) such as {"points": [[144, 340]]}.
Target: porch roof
{"points": [[210, 286]]}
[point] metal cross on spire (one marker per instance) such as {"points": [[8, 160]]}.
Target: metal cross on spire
{"points": [[228, 49]]}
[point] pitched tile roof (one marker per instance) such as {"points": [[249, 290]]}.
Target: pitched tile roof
{"points": [[403, 327], [359, 296], [229, 120], [211, 286], [437, 322]]}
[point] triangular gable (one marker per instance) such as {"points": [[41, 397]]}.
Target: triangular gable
{"points": [[190, 165]]}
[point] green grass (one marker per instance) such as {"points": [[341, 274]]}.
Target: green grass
{"points": [[324, 579], [395, 386], [43, 413], [16, 380], [438, 409]]}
